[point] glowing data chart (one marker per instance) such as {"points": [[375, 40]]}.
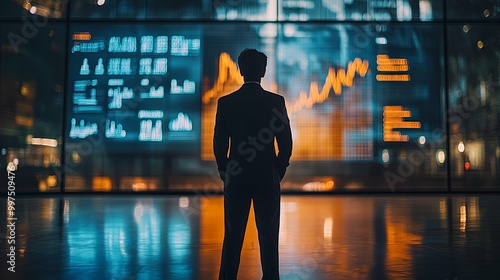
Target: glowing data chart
{"points": [[116, 82], [148, 66], [187, 87], [160, 66], [151, 132], [394, 119], [98, 69], [392, 69], [150, 114], [80, 98], [122, 45], [147, 44], [120, 66], [181, 123], [114, 130], [124, 82], [145, 66], [82, 85], [85, 68], [83, 129], [85, 97], [150, 44], [161, 45], [88, 47], [116, 96], [148, 131], [154, 92]]}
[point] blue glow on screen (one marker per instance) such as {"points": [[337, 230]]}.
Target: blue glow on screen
{"points": [[134, 84]]}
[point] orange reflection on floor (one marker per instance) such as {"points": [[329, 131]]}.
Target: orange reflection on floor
{"points": [[400, 241], [391, 236]]}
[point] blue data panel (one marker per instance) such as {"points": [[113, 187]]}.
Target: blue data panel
{"points": [[135, 85]]}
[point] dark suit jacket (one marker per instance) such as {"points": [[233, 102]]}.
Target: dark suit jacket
{"points": [[248, 122]]}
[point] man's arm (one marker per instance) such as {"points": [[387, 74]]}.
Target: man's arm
{"points": [[284, 140], [221, 141]]}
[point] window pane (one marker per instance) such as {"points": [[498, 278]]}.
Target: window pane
{"points": [[342, 139], [187, 9], [133, 106], [252, 10], [108, 9], [473, 9], [31, 89], [366, 99], [361, 10], [365, 102], [140, 9], [474, 97]]}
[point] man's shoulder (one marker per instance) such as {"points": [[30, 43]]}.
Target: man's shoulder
{"points": [[227, 97], [237, 95], [274, 96]]}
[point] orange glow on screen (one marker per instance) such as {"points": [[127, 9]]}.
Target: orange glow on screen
{"points": [[393, 68], [334, 81], [393, 119], [383, 59], [82, 36], [315, 138], [228, 80], [391, 65], [393, 78]]}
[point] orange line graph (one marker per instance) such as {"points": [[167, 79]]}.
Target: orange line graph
{"points": [[334, 80], [228, 73]]}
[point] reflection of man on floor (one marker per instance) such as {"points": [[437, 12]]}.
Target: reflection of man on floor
{"points": [[248, 122]]}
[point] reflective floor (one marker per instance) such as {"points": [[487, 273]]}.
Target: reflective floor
{"points": [[322, 237]]}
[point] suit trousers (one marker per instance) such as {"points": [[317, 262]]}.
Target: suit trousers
{"points": [[266, 204]]}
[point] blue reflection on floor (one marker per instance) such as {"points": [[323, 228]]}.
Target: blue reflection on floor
{"points": [[322, 237]]}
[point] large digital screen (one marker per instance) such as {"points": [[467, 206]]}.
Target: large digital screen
{"points": [[354, 92], [136, 86]]}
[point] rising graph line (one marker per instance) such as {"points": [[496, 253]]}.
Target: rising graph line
{"points": [[229, 79], [228, 73], [334, 81]]}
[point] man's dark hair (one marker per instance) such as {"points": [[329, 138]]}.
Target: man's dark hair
{"points": [[252, 64]]}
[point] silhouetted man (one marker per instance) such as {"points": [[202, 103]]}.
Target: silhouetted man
{"points": [[248, 122]]}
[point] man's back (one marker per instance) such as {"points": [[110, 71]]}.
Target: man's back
{"points": [[252, 117]]}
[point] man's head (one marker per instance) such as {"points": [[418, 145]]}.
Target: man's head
{"points": [[252, 64]]}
